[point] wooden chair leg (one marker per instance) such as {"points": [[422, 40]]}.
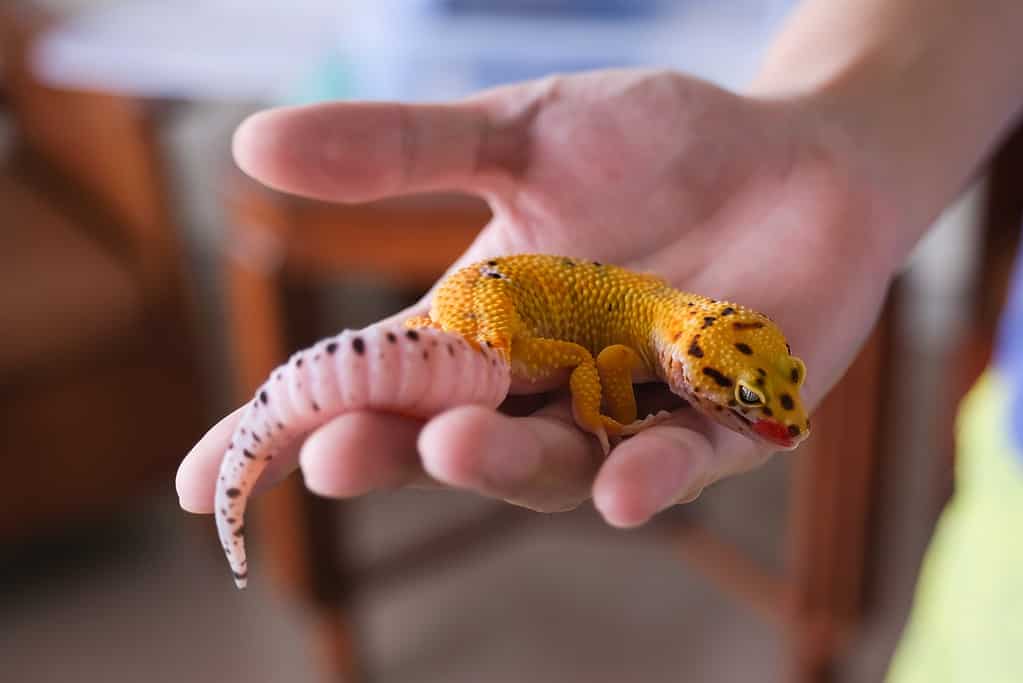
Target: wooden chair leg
{"points": [[299, 537], [830, 516]]}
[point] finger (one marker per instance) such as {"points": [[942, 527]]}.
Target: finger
{"points": [[541, 462], [197, 474], [669, 464], [362, 452], [354, 152], [651, 471]]}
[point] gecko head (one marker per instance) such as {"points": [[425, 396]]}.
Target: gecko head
{"points": [[738, 369]]}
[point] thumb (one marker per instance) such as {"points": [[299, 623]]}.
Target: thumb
{"points": [[354, 152]]}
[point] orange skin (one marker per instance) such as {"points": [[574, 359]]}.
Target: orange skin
{"points": [[600, 328]]}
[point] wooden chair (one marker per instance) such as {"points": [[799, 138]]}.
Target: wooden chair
{"points": [[275, 241], [98, 352], [411, 241]]}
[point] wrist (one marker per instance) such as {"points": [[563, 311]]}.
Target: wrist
{"points": [[914, 100], [852, 161]]}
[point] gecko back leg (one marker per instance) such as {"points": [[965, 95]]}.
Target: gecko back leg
{"points": [[584, 382], [616, 365]]}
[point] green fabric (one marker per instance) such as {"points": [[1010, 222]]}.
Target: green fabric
{"points": [[967, 619]]}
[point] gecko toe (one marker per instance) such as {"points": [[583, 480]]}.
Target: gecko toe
{"points": [[647, 422]]}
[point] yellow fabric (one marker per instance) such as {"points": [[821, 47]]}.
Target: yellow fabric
{"points": [[967, 619]]}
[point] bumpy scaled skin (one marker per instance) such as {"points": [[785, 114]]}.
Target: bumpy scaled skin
{"points": [[526, 323]]}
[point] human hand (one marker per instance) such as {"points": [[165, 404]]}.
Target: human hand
{"points": [[754, 201]]}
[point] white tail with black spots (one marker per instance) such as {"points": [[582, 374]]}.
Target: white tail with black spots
{"points": [[385, 367]]}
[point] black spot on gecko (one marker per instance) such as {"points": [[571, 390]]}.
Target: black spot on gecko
{"points": [[568, 262], [762, 372], [230, 445], [794, 376], [248, 454], [240, 531], [426, 354], [391, 337], [280, 376], [233, 493], [243, 431], [793, 430], [451, 350], [718, 377], [255, 437], [489, 344], [610, 307], [264, 399], [747, 326], [694, 348], [230, 520], [241, 575], [760, 381], [744, 348], [412, 334], [727, 310], [332, 348], [491, 263], [496, 276], [708, 321], [767, 411], [280, 425], [316, 406], [788, 349], [786, 402], [359, 346], [298, 362], [597, 263]]}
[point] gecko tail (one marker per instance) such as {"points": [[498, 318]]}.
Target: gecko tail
{"points": [[387, 367]]}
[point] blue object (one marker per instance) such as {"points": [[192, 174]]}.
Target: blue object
{"points": [[1008, 354], [572, 9]]}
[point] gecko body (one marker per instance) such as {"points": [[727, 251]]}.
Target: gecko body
{"points": [[520, 324]]}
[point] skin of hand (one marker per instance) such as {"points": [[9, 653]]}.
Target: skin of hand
{"points": [[752, 200]]}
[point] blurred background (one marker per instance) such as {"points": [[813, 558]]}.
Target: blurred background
{"points": [[147, 287]]}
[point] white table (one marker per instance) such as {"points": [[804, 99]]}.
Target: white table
{"points": [[263, 50]]}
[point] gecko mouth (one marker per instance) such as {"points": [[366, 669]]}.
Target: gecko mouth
{"points": [[745, 420], [775, 432]]}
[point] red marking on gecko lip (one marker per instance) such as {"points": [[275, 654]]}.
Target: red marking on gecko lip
{"points": [[774, 431]]}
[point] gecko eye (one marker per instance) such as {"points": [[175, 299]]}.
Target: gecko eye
{"points": [[747, 396], [798, 372]]}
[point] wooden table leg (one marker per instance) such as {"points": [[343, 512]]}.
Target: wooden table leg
{"points": [[300, 539], [830, 516]]}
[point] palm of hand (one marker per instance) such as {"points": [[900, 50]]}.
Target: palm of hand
{"points": [[722, 195]]}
